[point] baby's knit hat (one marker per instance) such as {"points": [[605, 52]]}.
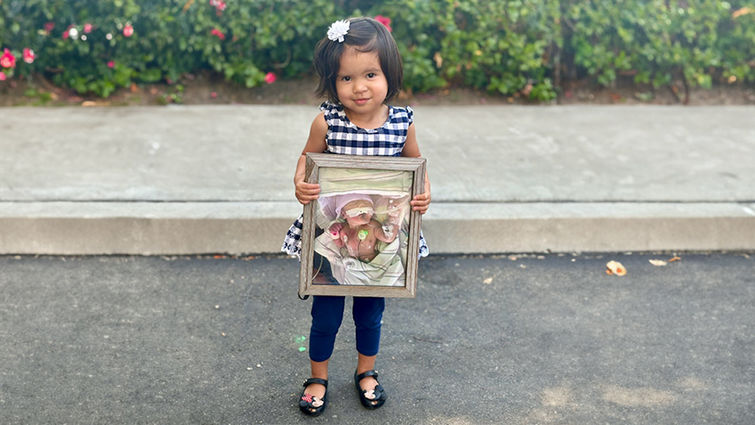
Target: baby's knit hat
{"points": [[342, 200]]}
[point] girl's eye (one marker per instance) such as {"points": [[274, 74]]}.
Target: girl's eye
{"points": [[345, 78], [371, 75]]}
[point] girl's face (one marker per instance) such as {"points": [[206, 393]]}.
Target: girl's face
{"points": [[360, 84]]}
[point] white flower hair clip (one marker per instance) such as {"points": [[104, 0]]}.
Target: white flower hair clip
{"points": [[338, 31]]}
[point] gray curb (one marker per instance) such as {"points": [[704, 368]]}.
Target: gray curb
{"points": [[166, 228]]}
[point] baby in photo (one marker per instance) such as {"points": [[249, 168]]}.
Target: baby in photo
{"points": [[360, 231]]}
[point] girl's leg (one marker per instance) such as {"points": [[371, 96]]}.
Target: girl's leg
{"points": [[319, 370], [365, 363], [327, 314], [368, 315]]}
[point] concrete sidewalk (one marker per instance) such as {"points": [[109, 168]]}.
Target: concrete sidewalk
{"points": [[196, 179]]}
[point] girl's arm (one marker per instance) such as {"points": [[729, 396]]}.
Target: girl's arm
{"points": [[307, 192], [420, 202]]}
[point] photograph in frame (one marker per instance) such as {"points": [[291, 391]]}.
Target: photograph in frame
{"points": [[360, 237]]}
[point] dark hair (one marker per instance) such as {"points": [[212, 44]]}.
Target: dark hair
{"points": [[366, 35]]}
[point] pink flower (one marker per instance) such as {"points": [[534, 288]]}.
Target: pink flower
{"points": [[128, 30], [385, 21], [28, 55], [270, 78], [2, 76], [216, 32], [218, 4], [7, 60], [307, 398], [49, 26], [87, 28], [110, 64], [213, 95]]}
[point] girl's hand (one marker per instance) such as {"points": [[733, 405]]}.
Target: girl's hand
{"points": [[307, 192], [421, 202]]}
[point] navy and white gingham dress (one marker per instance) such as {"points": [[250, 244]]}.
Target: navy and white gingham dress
{"points": [[346, 138]]}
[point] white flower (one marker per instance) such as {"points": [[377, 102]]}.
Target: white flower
{"points": [[73, 33], [338, 30]]}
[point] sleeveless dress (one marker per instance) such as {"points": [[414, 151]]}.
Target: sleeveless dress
{"points": [[345, 138]]}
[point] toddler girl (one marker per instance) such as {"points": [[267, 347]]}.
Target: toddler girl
{"points": [[360, 71]]}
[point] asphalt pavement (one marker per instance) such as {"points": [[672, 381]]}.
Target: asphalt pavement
{"points": [[502, 339]]}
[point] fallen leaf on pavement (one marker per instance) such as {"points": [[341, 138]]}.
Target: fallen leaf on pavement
{"points": [[674, 259], [488, 281], [658, 263], [614, 267]]}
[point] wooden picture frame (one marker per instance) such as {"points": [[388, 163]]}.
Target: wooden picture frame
{"points": [[360, 237]]}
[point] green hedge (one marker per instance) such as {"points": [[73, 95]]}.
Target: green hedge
{"points": [[504, 46], [657, 41]]}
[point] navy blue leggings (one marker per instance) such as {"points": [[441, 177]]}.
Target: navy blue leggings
{"points": [[327, 314]]}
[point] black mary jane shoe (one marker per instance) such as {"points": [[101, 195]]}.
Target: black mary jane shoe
{"points": [[310, 404], [371, 399]]}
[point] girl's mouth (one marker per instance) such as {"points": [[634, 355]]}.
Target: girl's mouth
{"points": [[361, 101]]}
